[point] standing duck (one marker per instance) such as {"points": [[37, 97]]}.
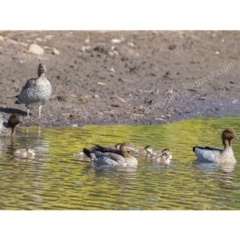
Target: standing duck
{"points": [[163, 157], [36, 90], [218, 155], [8, 128], [112, 157]]}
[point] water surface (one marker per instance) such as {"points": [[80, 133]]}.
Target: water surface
{"points": [[55, 179]]}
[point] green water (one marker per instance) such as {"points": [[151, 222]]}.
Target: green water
{"points": [[55, 179]]}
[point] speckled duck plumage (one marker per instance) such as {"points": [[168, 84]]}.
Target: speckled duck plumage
{"points": [[112, 157], [218, 155], [36, 90], [8, 127]]}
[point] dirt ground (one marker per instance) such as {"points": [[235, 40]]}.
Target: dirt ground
{"points": [[123, 76]]}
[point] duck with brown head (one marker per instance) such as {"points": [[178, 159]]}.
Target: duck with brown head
{"points": [[8, 128], [36, 90], [80, 155], [218, 155], [112, 157]]}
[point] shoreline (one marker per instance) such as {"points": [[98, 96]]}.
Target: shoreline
{"points": [[123, 76]]}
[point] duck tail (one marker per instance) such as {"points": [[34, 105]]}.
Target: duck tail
{"points": [[193, 149], [87, 152], [17, 102]]}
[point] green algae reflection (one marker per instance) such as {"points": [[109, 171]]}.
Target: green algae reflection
{"points": [[57, 180]]}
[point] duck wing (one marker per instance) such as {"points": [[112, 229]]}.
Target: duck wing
{"points": [[29, 83], [107, 149], [100, 157], [207, 154]]}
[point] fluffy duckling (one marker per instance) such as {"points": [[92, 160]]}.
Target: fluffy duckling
{"points": [[112, 157], [25, 152], [36, 90], [218, 155], [8, 128], [146, 151], [163, 157]]}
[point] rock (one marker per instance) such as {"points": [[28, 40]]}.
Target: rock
{"points": [[172, 46], [115, 105], [101, 83], [55, 51], [85, 48], [1, 38], [61, 99], [96, 96], [202, 98], [36, 49]]}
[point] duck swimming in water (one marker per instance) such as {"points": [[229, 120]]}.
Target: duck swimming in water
{"points": [[8, 127], [25, 152], [218, 155], [112, 157], [143, 151], [164, 156]]}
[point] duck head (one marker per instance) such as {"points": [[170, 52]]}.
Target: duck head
{"points": [[227, 135], [148, 149], [42, 68], [127, 147]]}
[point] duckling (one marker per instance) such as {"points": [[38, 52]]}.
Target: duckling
{"points": [[25, 152], [143, 151], [8, 128], [218, 155], [163, 157], [36, 90], [112, 157]]}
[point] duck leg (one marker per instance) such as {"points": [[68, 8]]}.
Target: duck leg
{"points": [[39, 111], [28, 109]]}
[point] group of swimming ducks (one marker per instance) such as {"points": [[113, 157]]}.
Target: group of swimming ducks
{"points": [[38, 91], [122, 154]]}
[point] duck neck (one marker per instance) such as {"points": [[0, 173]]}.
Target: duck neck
{"points": [[126, 154], [11, 127], [13, 130], [41, 74], [226, 143]]}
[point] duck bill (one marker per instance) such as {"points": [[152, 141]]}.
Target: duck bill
{"points": [[235, 136], [133, 149]]}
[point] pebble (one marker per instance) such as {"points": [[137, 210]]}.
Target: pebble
{"points": [[36, 49], [56, 51], [1, 38], [85, 48], [115, 40], [101, 83], [96, 96]]}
